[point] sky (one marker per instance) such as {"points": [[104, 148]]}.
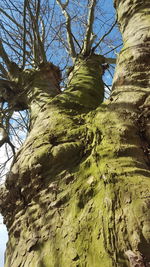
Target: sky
{"points": [[3, 240], [3, 232]]}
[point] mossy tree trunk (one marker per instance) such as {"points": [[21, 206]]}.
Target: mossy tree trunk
{"points": [[78, 190]]}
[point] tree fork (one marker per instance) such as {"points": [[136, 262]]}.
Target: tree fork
{"points": [[57, 143]]}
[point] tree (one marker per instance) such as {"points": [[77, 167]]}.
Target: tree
{"points": [[78, 190], [34, 40]]}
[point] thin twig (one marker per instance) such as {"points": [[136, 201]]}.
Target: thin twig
{"points": [[107, 87], [103, 37], [113, 49]]}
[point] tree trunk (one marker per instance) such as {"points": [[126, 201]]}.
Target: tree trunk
{"points": [[78, 190]]}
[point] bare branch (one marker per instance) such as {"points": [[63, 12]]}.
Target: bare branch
{"points": [[110, 60], [76, 42], [103, 37], [107, 87], [113, 49], [88, 40], [3, 70], [39, 53], [24, 33], [43, 30], [11, 19], [5, 135], [11, 37], [3, 55], [13, 46], [68, 27], [38, 10]]}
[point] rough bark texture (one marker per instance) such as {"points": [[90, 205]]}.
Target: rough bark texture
{"points": [[78, 191]]}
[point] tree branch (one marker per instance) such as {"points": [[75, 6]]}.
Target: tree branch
{"points": [[107, 87], [103, 37], [39, 52], [3, 70], [43, 30], [68, 27], [113, 49], [110, 60], [11, 19], [3, 55], [88, 40], [5, 139], [24, 33], [13, 38], [5, 132]]}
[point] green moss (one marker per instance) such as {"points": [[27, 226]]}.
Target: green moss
{"points": [[84, 192], [86, 85]]}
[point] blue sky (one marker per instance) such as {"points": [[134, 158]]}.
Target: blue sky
{"points": [[3, 240]]}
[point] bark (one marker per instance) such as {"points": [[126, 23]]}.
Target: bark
{"points": [[78, 191]]}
